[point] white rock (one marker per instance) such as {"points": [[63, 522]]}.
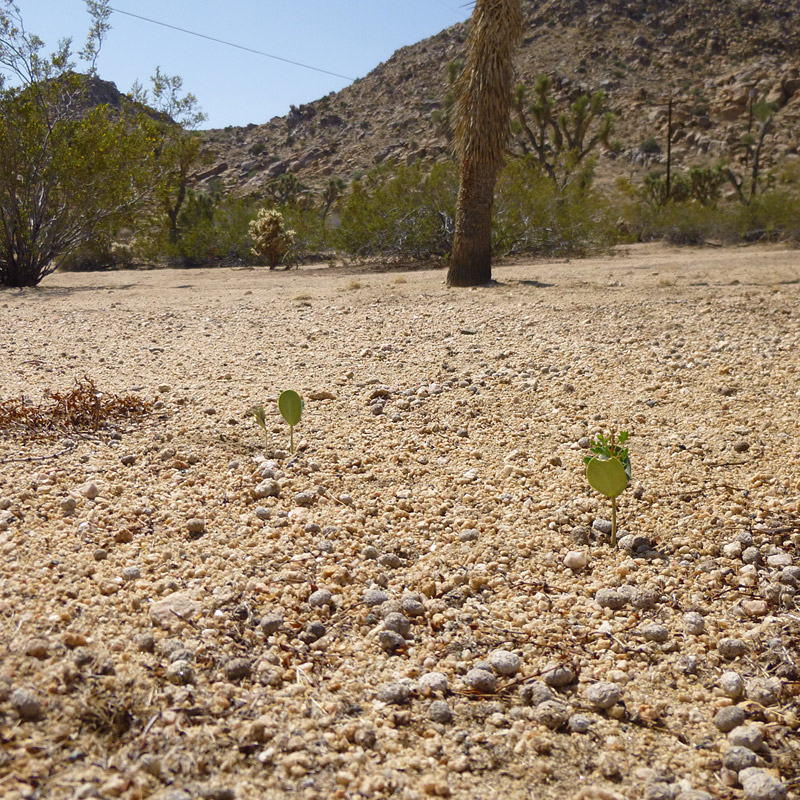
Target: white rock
{"points": [[89, 490], [169, 612], [576, 560]]}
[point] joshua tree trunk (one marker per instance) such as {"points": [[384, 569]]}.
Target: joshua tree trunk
{"points": [[471, 259], [481, 133]]}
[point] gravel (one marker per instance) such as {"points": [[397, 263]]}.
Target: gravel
{"points": [[301, 642]]}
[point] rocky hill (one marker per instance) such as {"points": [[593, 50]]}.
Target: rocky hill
{"points": [[710, 56]]}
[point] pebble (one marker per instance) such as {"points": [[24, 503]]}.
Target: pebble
{"points": [[535, 692], [730, 647], [576, 560], [748, 736], [654, 632], [168, 612], [610, 598], [146, 643], [26, 704], [375, 597], [370, 553], [645, 598], [131, 573], [68, 505], [469, 535], [728, 718], [263, 513], [267, 488], [694, 623], [738, 758], [481, 681], [732, 685], [238, 668], [558, 676], [752, 555], [397, 623], [603, 694], [322, 597], [504, 663], [180, 673], [579, 723], [395, 693], [196, 527], [314, 632], [758, 784], [270, 623], [412, 605], [551, 714], [433, 682], [755, 608], [390, 561], [391, 641], [602, 526], [89, 490], [440, 711], [764, 691], [778, 560], [580, 534]]}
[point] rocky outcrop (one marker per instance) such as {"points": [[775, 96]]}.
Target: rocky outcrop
{"points": [[711, 57]]}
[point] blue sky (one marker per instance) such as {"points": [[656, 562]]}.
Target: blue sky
{"points": [[348, 37]]}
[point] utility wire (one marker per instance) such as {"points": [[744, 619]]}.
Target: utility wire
{"points": [[231, 44]]}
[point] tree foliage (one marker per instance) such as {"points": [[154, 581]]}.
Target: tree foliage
{"points": [[560, 140], [177, 147], [61, 175]]}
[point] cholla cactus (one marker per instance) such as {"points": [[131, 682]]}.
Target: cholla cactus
{"points": [[271, 239]]}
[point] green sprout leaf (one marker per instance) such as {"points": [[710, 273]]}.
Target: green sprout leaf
{"points": [[607, 476], [291, 405], [609, 471], [259, 414]]}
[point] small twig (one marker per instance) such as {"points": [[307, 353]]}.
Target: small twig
{"points": [[39, 458]]}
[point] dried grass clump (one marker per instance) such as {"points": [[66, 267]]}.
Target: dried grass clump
{"points": [[83, 407]]}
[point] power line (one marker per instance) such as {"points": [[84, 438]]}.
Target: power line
{"points": [[232, 44]]}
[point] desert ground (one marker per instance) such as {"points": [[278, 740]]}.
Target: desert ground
{"points": [[423, 599]]}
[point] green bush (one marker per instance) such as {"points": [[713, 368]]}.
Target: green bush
{"points": [[398, 211], [772, 216], [210, 230], [531, 215]]}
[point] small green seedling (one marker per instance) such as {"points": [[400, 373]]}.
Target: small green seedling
{"points": [[291, 405], [261, 421], [609, 471]]}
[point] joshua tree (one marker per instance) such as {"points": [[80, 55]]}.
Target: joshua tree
{"points": [[481, 133]]}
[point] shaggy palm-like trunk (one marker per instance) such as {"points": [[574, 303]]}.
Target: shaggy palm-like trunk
{"points": [[471, 259], [481, 134]]}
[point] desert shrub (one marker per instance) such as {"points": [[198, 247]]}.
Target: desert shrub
{"points": [[532, 215], [398, 211], [98, 254], [210, 229], [771, 216], [271, 238], [650, 146]]}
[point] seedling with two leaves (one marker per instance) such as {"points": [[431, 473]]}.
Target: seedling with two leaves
{"points": [[609, 471], [291, 405]]}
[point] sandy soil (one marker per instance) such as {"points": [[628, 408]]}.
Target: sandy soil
{"points": [[423, 601]]}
